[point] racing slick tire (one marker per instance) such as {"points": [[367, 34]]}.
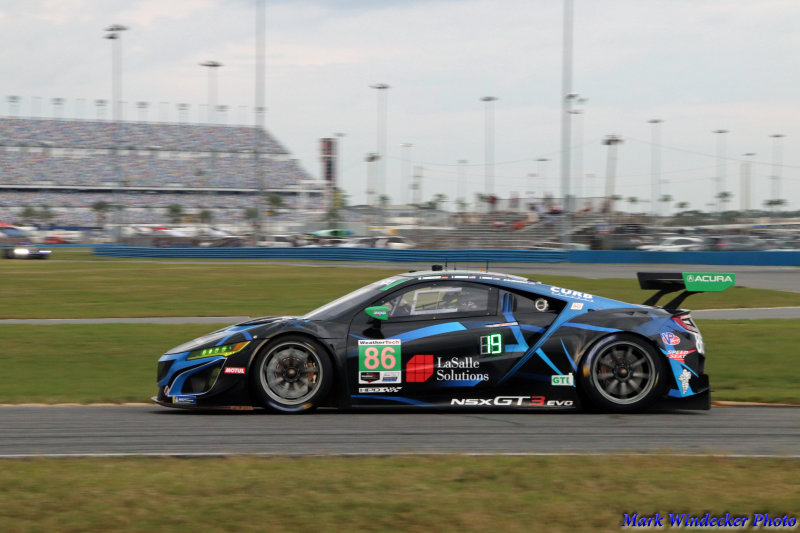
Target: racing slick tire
{"points": [[621, 374], [292, 374]]}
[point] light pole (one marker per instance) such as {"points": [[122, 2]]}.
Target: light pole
{"points": [[543, 174], [259, 107], [115, 35], [13, 105], [380, 162], [566, 134], [655, 166], [212, 87], [489, 145], [776, 167], [406, 177], [744, 202], [720, 179], [579, 113], [611, 169], [460, 197]]}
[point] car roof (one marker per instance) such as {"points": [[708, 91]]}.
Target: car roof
{"points": [[462, 275]]}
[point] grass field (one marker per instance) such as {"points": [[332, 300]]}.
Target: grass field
{"points": [[377, 494], [82, 286], [747, 360]]}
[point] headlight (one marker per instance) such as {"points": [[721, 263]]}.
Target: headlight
{"points": [[217, 351], [21, 251]]}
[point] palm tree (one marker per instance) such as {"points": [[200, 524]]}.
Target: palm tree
{"points": [[275, 202], [101, 207], [28, 213], [251, 215], [206, 216], [45, 214], [682, 205], [175, 213]]}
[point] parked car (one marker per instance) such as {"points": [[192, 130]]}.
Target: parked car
{"points": [[735, 243], [676, 244]]}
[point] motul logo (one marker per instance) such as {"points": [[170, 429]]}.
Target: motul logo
{"points": [[235, 370]]}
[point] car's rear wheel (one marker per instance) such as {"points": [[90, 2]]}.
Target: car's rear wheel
{"points": [[622, 373], [292, 375]]}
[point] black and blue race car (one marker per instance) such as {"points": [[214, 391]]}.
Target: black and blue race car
{"points": [[455, 340]]}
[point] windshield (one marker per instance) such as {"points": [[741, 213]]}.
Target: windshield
{"points": [[333, 309]]}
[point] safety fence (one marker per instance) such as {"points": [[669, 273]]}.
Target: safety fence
{"points": [[776, 258]]}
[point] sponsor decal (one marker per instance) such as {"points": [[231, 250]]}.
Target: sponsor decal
{"points": [[492, 344], [368, 377], [698, 341], [379, 390], [670, 339], [678, 355], [235, 370], [188, 400], [504, 324], [576, 306], [684, 379], [575, 295], [562, 380], [507, 401], [379, 361], [457, 369], [421, 367], [708, 281]]}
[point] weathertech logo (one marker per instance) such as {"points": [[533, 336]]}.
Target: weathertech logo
{"points": [[419, 368]]}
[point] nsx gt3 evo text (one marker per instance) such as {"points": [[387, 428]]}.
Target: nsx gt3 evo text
{"points": [[455, 340]]}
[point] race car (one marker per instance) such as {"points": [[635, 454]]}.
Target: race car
{"points": [[455, 340]]}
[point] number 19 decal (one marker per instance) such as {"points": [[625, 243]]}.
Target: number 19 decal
{"points": [[492, 344]]}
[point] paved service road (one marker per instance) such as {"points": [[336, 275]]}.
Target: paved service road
{"points": [[152, 430]]}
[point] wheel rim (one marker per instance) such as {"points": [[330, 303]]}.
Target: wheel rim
{"points": [[291, 373], [623, 373]]}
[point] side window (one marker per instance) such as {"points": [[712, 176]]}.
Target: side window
{"points": [[430, 301], [530, 305]]}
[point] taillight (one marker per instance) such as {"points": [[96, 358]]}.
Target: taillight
{"points": [[685, 321]]}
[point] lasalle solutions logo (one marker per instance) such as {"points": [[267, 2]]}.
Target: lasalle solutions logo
{"points": [[708, 281]]}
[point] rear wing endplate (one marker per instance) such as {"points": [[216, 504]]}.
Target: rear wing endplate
{"points": [[689, 282]]}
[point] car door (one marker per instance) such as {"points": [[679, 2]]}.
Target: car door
{"points": [[438, 340]]}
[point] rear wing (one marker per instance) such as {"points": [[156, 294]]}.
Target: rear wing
{"points": [[689, 282]]}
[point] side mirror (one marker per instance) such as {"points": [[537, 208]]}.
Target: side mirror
{"points": [[379, 312]]}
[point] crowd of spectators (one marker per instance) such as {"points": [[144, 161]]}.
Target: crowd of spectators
{"points": [[45, 155], [98, 134], [75, 208], [80, 168]]}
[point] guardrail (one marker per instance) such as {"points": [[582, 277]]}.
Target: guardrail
{"points": [[777, 258]]}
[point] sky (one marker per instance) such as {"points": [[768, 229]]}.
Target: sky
{"points": [[699, 67]]}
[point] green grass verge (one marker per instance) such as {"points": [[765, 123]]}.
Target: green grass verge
{"points": [[749, 360], [90, 289], [409, 494]]}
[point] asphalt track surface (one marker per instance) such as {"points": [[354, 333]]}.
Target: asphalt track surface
{"points": [[152, 430]]}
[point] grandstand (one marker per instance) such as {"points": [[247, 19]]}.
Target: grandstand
{"points": [[68, 165]]}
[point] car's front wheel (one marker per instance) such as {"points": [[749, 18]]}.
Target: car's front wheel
{"points": [[292, 375], [622, 373]]}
